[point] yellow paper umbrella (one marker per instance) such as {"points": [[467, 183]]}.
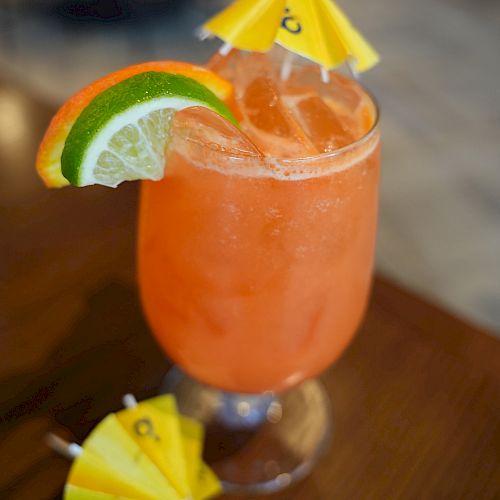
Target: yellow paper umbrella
{"points": [[146, 452], [316, 29]]}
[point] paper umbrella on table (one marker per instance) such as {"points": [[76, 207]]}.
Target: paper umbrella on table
{"points": [[316, 29], [148, 451]]}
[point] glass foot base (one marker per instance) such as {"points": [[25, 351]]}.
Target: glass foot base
{"points": [[257, 444]]}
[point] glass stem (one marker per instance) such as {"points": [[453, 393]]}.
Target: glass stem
{"points": [[245, 411]]}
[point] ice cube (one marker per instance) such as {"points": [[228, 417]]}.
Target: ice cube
{"points": [[344, 92], [265, 117], [203, 126], [324, 128]]}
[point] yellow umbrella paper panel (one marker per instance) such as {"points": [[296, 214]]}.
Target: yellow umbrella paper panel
{"points": [[248, 24], [320, 31], [158, 435]]}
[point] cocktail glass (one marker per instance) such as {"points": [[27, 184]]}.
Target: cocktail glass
{"points": [[255, 272]]}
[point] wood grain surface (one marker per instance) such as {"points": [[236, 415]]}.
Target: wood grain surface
{"points": [[415, 397]]}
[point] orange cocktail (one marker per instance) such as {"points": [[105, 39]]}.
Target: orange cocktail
{"points": [[255, 261]]}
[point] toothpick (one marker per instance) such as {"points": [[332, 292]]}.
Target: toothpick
{"points": [[325, 75], [286, 66], [225, 49], [64, 448], [352, 69], [129, 401], [202, 34]]}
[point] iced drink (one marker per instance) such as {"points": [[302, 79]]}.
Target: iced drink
{"points": [[256, 248]]}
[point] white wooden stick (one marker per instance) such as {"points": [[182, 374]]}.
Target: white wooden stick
{"points": [[286, 66], [352, 69], [58, 444], [202, 34], [225, 49], [129, 401], [325, 75]]}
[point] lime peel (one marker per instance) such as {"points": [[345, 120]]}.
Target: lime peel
{"points": [[116, 112]]}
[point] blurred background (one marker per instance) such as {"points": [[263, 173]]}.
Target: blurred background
{"points": [[438, 86]]}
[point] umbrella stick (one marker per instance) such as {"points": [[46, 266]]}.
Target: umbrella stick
{"points": [[352, 69], [202, 34], [129, 401], [225, 49], [64, 448], [286, 66], [325, 75]]}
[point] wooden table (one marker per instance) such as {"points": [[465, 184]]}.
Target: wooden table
{"points": [[416, 396]]}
